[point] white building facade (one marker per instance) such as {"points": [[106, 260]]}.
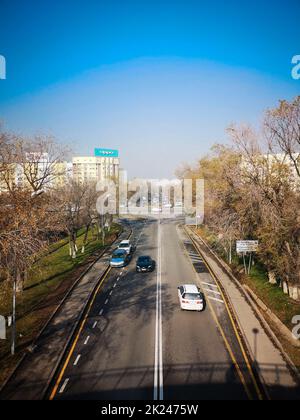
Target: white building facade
{"points": [[103, 165]]}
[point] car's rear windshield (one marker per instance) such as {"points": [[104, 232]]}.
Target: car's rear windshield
{"points": [[123, 245], [144, 259], [192, 296], [118, 254]]}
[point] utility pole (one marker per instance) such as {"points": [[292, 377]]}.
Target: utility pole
{"points": [[13, 329]]}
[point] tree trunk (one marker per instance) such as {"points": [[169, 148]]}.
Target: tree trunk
{"points": [[272, 277], [73, 246], [85, 239], [20, 280], [285, 287], [294, 292]]}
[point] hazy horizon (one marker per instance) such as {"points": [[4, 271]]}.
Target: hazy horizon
{"points": [[159, 83]]}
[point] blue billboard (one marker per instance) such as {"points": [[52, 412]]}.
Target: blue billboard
{"points": [[106, 153]]}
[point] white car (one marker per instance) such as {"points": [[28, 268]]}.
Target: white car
{"points": [[190, 298], [126, 246]]}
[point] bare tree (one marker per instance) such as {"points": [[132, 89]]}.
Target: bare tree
{"points": [[282, 127], [70, 200], [89, 213]]}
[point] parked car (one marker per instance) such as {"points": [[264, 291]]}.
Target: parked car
{"points": [[120, 258], [126, 246], [145, 264], [190, 298]]}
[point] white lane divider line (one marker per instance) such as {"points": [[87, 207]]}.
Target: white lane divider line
{"points": [[101, 312], [106, 302], [158, 359], [95, 324], [77, 360], [86, 340], [114, 285], [213, 291], [110, 293], [209, 284], [215, 299], [64, 386]]}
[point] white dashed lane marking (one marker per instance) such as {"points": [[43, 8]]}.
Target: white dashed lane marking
{"points": [[64, 386], [95, 324], [77, 360], [86, 340]]}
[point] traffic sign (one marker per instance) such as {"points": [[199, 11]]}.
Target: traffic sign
{"points": [[243, 247]]}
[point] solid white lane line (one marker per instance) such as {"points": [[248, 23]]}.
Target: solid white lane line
{"points": [[209, 284], [161, 377], [86, 340], [155, 389], [158, 359], [77, 360], [213, 291], [215, 299], [64, 386], [95, 324]]}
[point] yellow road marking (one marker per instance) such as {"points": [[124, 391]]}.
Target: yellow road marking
{"points": [[230, 351], [62, 372], [59, 379], [260, 396]]}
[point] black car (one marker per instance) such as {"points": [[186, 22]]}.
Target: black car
{"points": [[145, 264]]}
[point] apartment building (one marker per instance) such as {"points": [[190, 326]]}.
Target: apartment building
{"points": [[103, 165], [38, 167]]}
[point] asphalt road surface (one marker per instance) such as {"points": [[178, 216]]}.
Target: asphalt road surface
{"points": [[137, 343]]}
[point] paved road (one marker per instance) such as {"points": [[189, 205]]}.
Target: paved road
{"points": [[138, 344]]}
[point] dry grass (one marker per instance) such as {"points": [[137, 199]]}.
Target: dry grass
{"points": [[48, 282]]}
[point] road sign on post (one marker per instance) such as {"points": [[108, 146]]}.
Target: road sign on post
{"points": [[243, 247]]}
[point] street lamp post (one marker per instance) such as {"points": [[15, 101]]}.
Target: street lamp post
{"points": [[13, 329]]}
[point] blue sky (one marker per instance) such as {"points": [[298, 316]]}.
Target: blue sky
{"points": [[158, 79]]}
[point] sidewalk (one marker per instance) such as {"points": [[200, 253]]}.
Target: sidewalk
{"points": [[270, 363], [36, 370]]}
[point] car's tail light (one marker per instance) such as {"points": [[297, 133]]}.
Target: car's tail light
{"points": [[185, 301]]}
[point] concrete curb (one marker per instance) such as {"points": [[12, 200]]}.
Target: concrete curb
{"points": [[73, 332], [54, 313], [276, 341], [279, 324]]}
